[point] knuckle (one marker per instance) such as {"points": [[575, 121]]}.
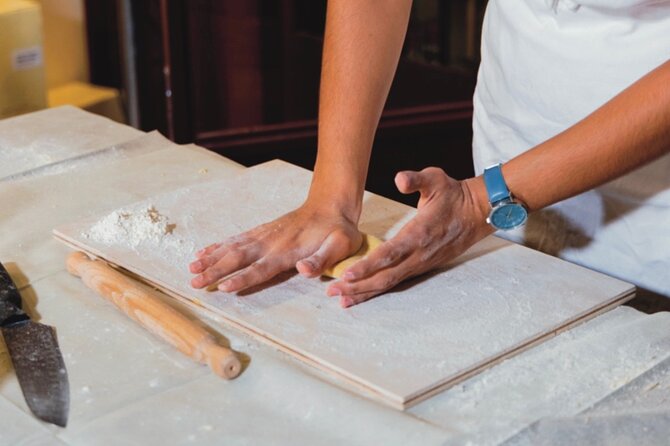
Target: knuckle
{"points": [[315, 261], [389, 282], [359, 299], [251, 272], [214, 271], [317, 267], [237, 256], [237, 244], [348, 289], [339, 235], [255, 271], [232, 241], [423, 236], [244, 279], [240, 282], [210, 275], [392, 256], [208, 261], [360, 268], [434, 171], [258, 265], [395, 251]]}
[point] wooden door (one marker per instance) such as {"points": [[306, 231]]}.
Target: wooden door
{"points": [[241, 78]]}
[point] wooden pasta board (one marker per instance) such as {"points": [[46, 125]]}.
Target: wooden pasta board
{"points": [[492, 302]]}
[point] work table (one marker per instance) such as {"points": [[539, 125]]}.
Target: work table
{"points": [[604, 381]]}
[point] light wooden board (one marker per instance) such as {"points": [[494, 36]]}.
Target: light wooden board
{"points": [[423, 337]]}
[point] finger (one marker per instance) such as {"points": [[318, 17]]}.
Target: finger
{"points": [[256, 273], [409, 181], [204, 262], [230, 262], [352, 293], [387, 254], [207, 250], [201, 264], [217, 251], [336, 247], [424, 182]]}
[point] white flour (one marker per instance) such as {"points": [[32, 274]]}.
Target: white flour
{"points": [[132, 227]]}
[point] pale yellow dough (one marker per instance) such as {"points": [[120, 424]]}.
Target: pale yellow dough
{"points": [[370, 243]]}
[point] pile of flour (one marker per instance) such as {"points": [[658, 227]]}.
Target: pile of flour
{"points": [[132, 227]]}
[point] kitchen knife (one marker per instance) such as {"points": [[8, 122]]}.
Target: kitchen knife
{"points": [[37, 359]]}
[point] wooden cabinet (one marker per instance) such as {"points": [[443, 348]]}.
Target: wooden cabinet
{"points": [[241, 78]]}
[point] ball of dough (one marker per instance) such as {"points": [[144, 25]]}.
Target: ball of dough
{"points": [[370, 243]]}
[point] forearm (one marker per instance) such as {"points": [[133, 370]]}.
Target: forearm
{"points": [[362, 45], [628, 131]]}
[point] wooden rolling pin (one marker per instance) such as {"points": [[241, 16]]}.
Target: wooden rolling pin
{"points": [[154, 315]]}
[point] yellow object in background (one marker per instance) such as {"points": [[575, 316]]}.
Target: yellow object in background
{"points": [[103, 101], [65, 54], [22, 80], [370, 243], [25, 83], [67, 62]]}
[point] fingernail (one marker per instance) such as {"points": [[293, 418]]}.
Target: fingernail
{"points": [[198, 282], [346, 302], [225, 285], [349, 276], [332, 292]]}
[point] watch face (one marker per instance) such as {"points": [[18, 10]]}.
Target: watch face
{"points": [[508, 216]]}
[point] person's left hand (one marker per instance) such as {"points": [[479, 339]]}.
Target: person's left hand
{"points": [[451, 217]]}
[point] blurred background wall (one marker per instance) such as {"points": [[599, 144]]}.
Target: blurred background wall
{"points": [[241, 77]]}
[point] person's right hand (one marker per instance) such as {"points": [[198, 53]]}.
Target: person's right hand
{"points": [[311, 238]]}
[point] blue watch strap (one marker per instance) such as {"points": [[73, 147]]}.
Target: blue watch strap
{"points": [[495, 184]]}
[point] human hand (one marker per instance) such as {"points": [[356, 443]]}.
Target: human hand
{"points": [[451, 217], [310, 238]]}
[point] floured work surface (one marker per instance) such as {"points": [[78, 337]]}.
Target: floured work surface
{"points": [[400, 348]]}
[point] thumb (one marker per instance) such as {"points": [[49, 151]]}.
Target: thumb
{"points": [[409, 182], [336, 247]]}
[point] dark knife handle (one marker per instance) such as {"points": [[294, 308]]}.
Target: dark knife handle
{"points": [[11, 312], [11, 315]]}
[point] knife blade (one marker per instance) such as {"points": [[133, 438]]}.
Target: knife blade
{"points": [[35, 354]]}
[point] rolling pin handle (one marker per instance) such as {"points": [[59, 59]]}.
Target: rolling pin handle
{"points": [[166, 322], [74, 260], [222, 362]]}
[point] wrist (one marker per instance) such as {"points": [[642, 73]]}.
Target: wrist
{"points": [[511, 178], [475, 191], [337, 187], [334, 201]]}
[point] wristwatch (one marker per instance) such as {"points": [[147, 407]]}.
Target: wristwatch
{"points": [[506, 213]]}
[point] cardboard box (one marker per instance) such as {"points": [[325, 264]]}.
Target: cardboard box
{"points": [[64, 34], [22, 79]]}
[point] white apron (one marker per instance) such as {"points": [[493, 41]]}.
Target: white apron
{"points": [[546, 64]]}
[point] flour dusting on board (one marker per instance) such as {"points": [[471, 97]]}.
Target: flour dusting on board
{"points": [[132, 227], [145, 228]]}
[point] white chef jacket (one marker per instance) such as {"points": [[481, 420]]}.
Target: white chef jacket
{"points": [[546, 64]]}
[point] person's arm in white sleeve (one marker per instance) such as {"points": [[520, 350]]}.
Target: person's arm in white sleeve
{"points": [[628, 131]]}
